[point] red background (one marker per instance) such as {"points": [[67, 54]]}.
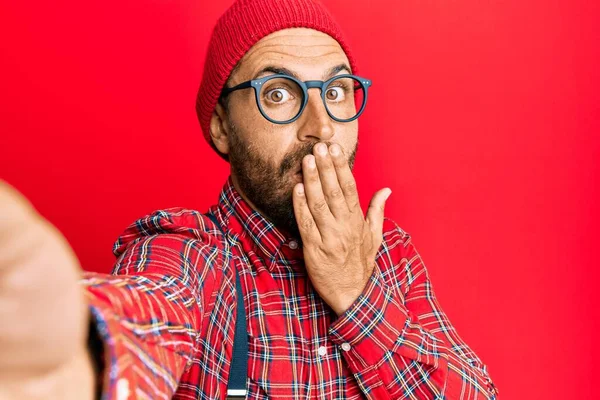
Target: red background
{"points": [[484, 120]]}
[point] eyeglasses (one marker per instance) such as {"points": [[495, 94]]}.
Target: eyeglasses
{"points": [[281, 99]]}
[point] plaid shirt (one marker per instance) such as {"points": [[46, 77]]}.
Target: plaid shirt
{"points": [[166, 317]]}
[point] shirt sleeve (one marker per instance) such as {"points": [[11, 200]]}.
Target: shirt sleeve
{"points": [[397, 340], [149, 313]]}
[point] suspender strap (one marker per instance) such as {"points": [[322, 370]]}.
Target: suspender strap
{"points": [[239, 363]]}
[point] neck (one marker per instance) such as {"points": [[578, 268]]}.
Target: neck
{"points": [[237, 187]]}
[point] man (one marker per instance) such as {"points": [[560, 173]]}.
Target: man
{"points": [[336, 304]]}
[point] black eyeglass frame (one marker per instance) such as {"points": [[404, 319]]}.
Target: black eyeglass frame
{"points": [[257, 84]]}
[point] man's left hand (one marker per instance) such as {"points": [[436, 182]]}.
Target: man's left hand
{"points": [[340, 245]]}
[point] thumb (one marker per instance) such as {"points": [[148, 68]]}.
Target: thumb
{"points": [[376, 209], [39, 276], [18, 220]]}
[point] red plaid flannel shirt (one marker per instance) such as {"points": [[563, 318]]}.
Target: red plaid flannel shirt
{"points": [[166, 317]]}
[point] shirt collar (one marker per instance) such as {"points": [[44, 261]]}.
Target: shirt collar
{"points": [[254, 232]]}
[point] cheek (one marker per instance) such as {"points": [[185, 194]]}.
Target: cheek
{"points": [[268, 140], [347, 137], [245, 114], [278, 141]]}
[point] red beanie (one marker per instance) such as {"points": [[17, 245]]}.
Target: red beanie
{"points": [[240, 27]]}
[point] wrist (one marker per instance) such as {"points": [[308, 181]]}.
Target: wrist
{"points": [[342, 305], [347, 297]]}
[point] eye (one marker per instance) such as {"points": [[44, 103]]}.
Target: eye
{"points": [[278, 96], [334, 94]]}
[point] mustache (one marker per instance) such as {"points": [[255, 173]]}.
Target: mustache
{"points": [[293, 159]]}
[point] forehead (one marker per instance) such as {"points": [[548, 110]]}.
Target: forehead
{"points": [[307, 52]]}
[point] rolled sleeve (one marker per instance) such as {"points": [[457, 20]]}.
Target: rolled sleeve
{"points": [[371, 326]]}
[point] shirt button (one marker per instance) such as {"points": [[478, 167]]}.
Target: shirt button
{"points": [[123, 390], [346, 346], [293, 244], [322, 350]]}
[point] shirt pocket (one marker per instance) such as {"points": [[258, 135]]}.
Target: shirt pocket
{"points": [[278, 366]]}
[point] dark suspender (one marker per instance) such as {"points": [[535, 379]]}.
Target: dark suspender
{"points": [[239, 363]]}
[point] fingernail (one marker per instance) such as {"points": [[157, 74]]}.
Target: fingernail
{"points": [[300, 189], [311, 162], [389, 194], [334, 150], [321, 148]]}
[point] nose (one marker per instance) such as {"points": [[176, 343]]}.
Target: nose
{"points": [[314, 123]]}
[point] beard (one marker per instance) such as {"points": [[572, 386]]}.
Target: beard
{"points": [[269, 186]]}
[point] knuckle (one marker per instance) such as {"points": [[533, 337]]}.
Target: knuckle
{"points": [[320, 206], [335, 194], [350, 187], [313, 177], [354, 204], [307, 223]]}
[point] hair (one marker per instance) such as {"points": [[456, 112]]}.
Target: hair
{"points": [[224, 101], [224, 98]]}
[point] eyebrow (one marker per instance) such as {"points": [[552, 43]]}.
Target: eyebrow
{"points": [[285, 71]]}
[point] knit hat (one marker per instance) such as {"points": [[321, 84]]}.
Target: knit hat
{"points": [[239, 28]]}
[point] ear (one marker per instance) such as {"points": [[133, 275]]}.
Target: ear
{"points": [[219, 129]]}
